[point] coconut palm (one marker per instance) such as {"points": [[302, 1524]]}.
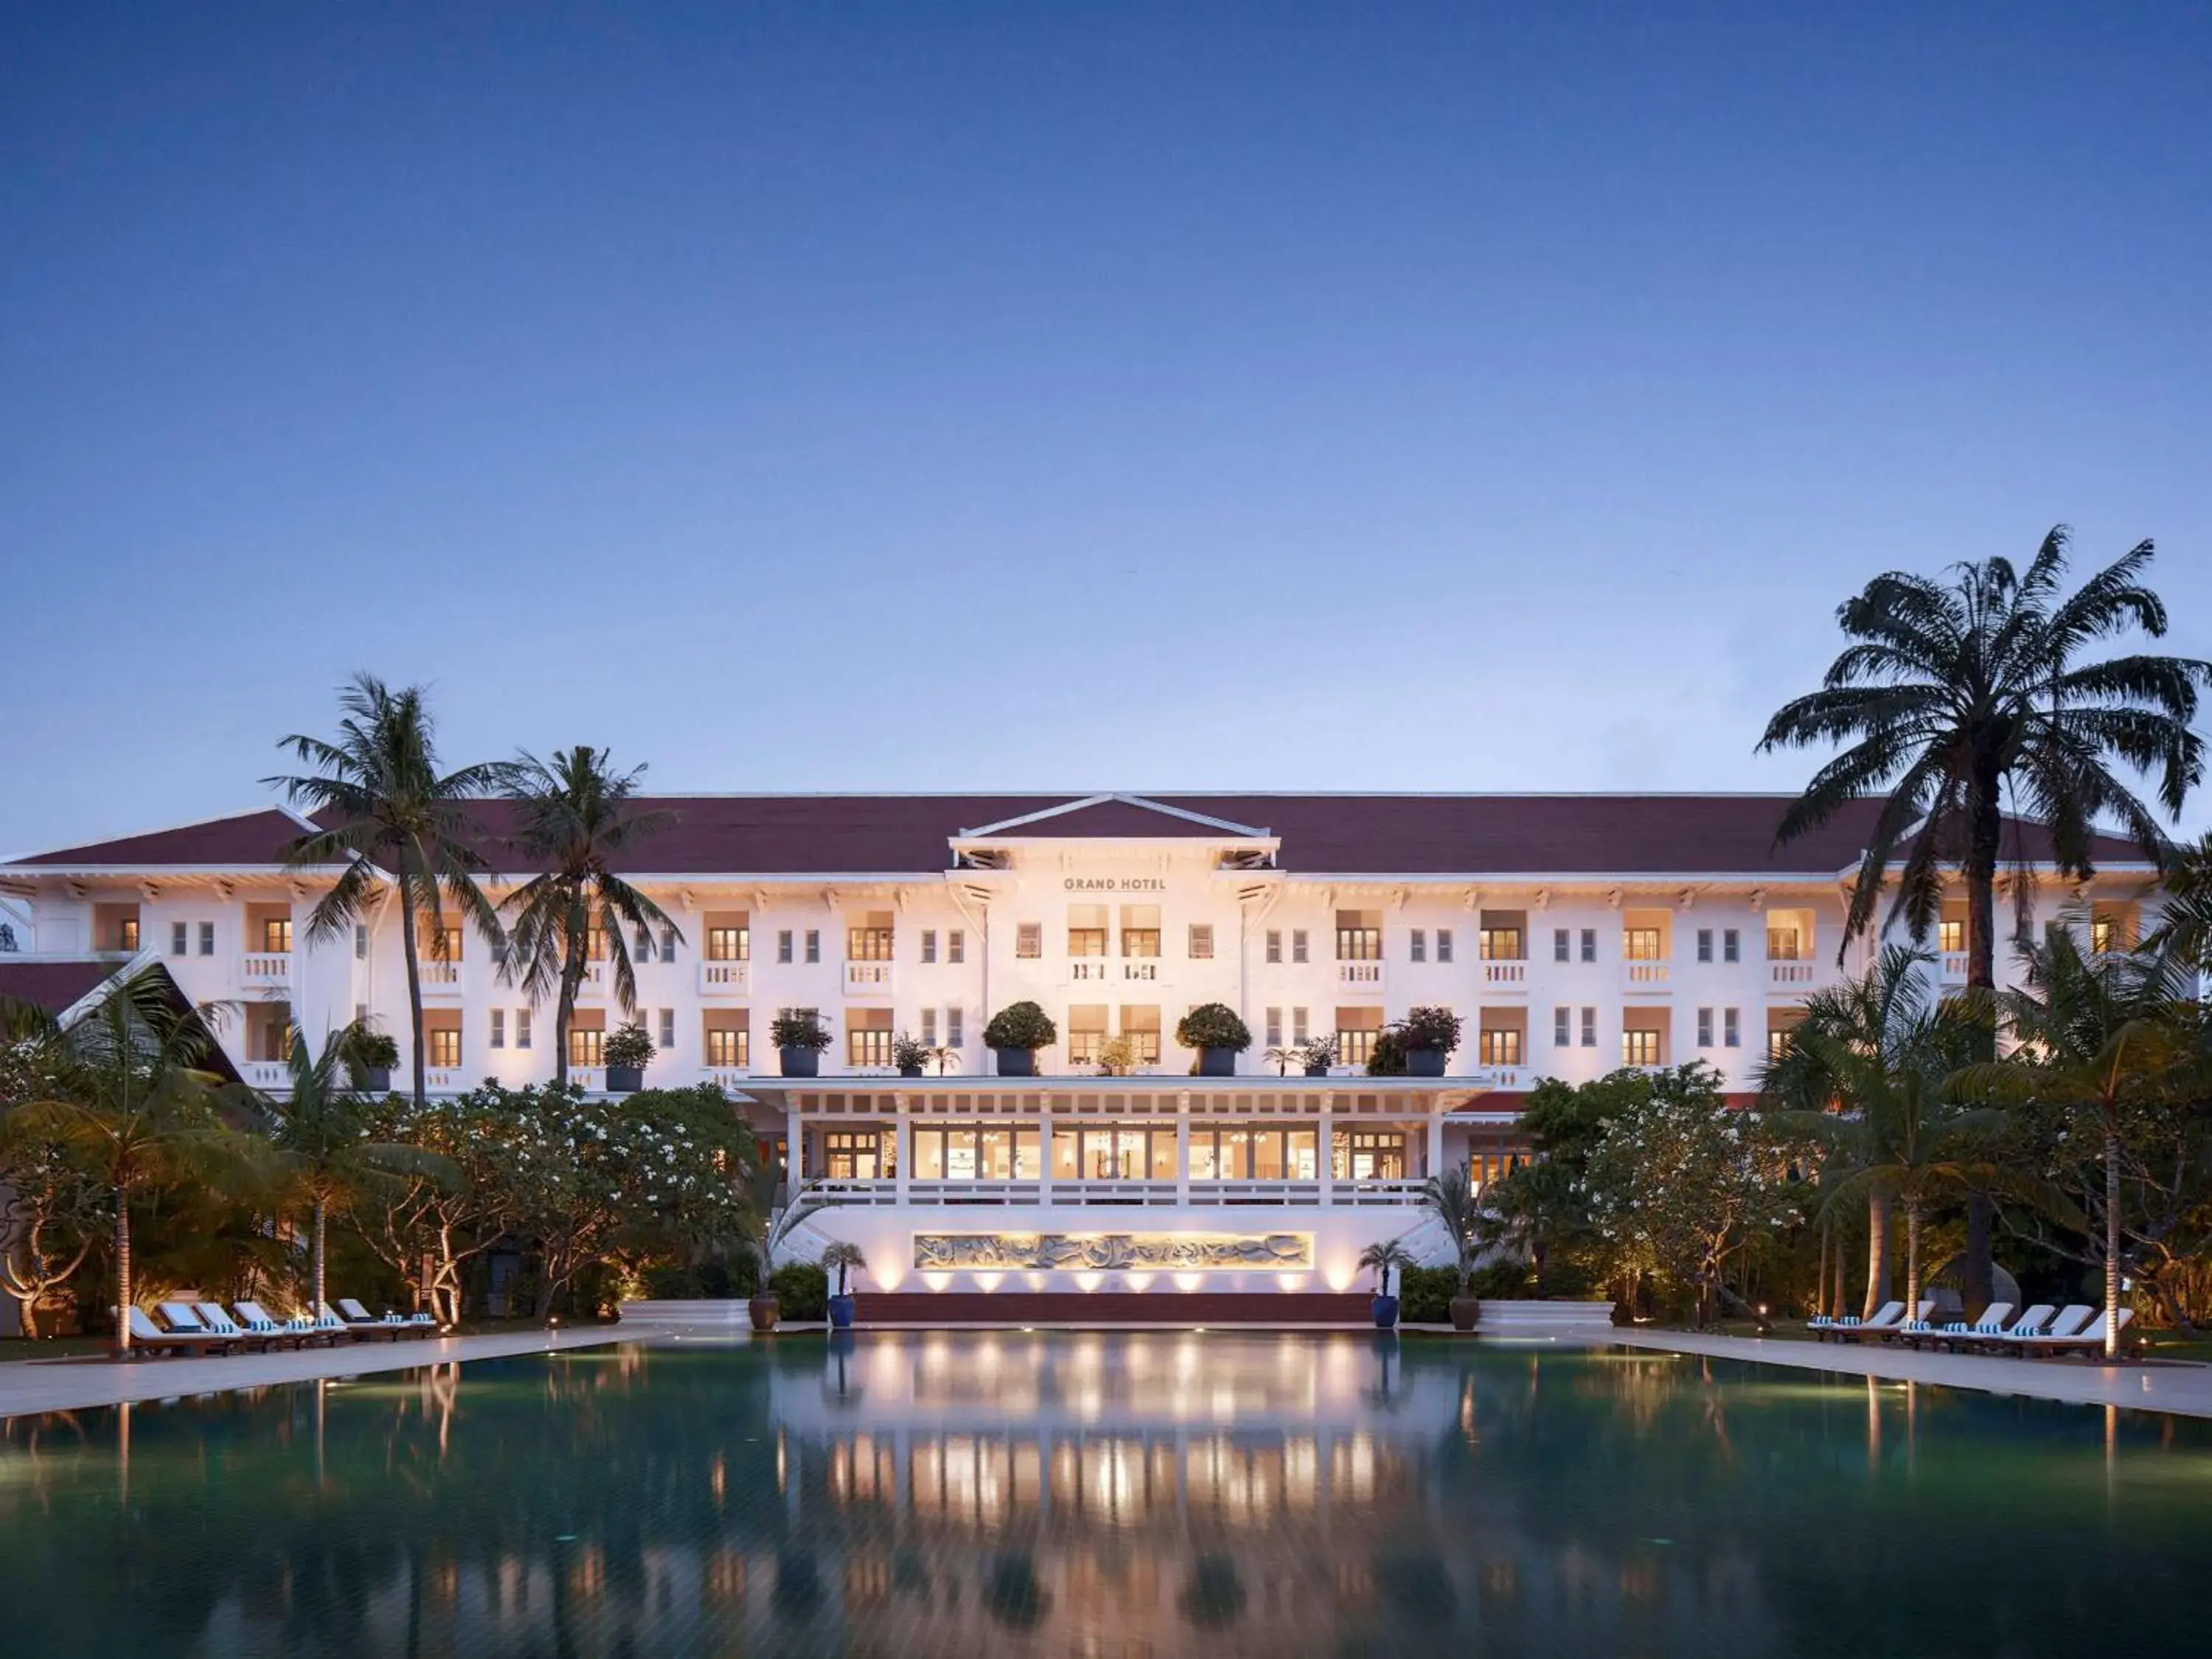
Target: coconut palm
{"points": [[318, 1136], [576, 820], [843, 1257], [128, 1092], [1389, 1256], [2103, 1036], [1450, 1197], [388, 814], [2184, 927], [1957, 699]]}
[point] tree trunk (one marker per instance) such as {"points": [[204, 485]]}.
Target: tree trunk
{"points": [[122, 1271], [1913, 1258], [573, 943], [1977, 1271], [1877, 1287], [1820, 1282], [321, 1211], [414, 996], [27, 1317], [2111, 1236]]}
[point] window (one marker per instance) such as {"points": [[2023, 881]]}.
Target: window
{"points": [[595, 945], [1640, 944], [207, 938], [1500, 1048], [1418, 945], [1705, 1028], [126, 933], [1444, 945], [1086, 1032], [360, 941], [1951, 936], [1589, 1028], [1501, 945], [178, 933], [1562, 945], [1731, 945], [728, 944], [783, 945], [1141, 930], [1275, 1037], [1639, 1046], [1298, 1025], [668, 943], [1261, 1153], [1358, 936], [1784, 943], [1356, 1028], [965, 1153], [953, 1038], [868, 1037], [813, 944], [1142, 1027], [667, 1028], [956, 945], [1298, 944], [1589, 944], [1731, 1029], [1778, 1041], [929, 945], [641, 948], [586, 1047], [1563, 1024], [1369, 1154], [1202, 941], [2103, 935], [1704, 945], [499, 1027], [445, 1044], [1028, 940], [858, 1154], [522, 1028], [870, 941], [276, 935], [1274, 944], [729, 1047], [929, 1028], [1086, 930]]}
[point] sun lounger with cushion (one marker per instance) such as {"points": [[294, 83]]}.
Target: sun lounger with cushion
{"points": [[214, 1316], [1842, 1329], [2089, 1339], [149, 1338], [1923, 1335], [1883, 1329]]}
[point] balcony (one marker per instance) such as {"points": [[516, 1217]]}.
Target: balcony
{"points": [[1955, 967], [265, 1074], [1141, 969], [725, 979], [1505, 976], [867, 979], [1367, 975], [1648, 975], [266, 971], [1090, 970], [441, 979], [1789, 973], [726, 1077], [594, 982], [443, 1081]]}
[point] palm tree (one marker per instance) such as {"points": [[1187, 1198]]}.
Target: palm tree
{"points": [[843, 1257], [319, 1136], [2103, 1036], [1956, 700], [1389, 1256], [389, 814], [576, 821], [128, 1093], [1451, 1197], [2184, 927], [1884, 1072]]}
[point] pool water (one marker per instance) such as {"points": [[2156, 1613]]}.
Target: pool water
{"points": [[1126, 1495]]}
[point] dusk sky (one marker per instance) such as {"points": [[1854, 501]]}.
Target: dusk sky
{"points": [[1060, 397]]}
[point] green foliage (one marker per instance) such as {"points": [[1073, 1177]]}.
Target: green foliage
{"points": [[843, 1258], [370, 1051], [798, 1028], [1430, 1027], [1503, 1282], [1389, 1056], [1213, 1026], [629, 1046], [1020, 1025], [802, 1290], [1425, 1294], [911, 1053]]}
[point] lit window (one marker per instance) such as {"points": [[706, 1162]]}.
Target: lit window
{"points": [[727, 1048], [1639, 1048], [1777, 1042], [1202, 941], [1640, 944], [1086, 941], [1784, 943], [276, 935], [1501, 1047], [1499, 944], [869, 943], [866, 1046], [1028, 940], [1140, 941], [586, 1048], [1951, 937], [729, 944], [444, 1046], [1356, 943], [126, 933], [2103, 935]]}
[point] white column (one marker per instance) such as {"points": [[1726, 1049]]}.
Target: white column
{"points": [[1436, 1137], [901, 1147], [1044, 1148], [1325, 1164], [1182, 1150]]}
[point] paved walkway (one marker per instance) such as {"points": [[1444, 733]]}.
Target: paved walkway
{"points": [[2184, 1389], [65, 1385]]}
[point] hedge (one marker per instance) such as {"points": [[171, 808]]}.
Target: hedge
{"points": [[802, 1289]]}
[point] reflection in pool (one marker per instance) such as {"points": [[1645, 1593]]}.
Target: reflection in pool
{"points": [[1118, 1496]]}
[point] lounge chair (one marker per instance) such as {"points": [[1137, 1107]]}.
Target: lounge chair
{"points": [[2090, 1340], [216, 1318], [360, 1330], [1842, 1329], [1986, 1334], [146, 1337], [416, 1324], [1951, 1334], [328, 1326], [1887, 1323], [2068, 1322], [278, 1332]]}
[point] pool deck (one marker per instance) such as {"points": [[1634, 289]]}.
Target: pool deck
{"points": [[2180, 1387]]}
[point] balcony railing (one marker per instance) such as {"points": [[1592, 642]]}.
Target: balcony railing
{"points": [[728, 1077], [1107, 1193], [1141, 968], [725, 979], [1367, 975], [1090, 970], [1955, 967], [1505, 973], [1790, 972], [265, 1074], [594, 982], [444, 1080], [867, 979], [442, 978], [1647, 973], [270, 968]]}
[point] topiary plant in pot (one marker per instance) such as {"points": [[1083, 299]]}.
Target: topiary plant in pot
{"points": [[799, 1039], [627, 1052], [910, 1055], [842, 1258], [1317, 1054], [1426, 1037], [1220, 1034], [1016, 1033], [1386, 1258], [1451, 1197], [369, 1057]]}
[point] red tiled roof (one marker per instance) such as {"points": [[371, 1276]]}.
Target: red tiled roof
{"points": [[53, 986], [1334, 834]]}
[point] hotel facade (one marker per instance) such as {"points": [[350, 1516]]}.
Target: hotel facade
{"points": [[1573, 934]]}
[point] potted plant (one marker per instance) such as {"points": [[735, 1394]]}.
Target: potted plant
{"points": [[628, 1051], [910, 1055], [1388, 1058], [1426, 1037], [370, 1057], [1016, 1033], [1317, 1055], [766, 1307], [1451, 1197], [1388, 1257], [799, 1039], [841, 1258], [1117, 1057], [1220, 1034]]}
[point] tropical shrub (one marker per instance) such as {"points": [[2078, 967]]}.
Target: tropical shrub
{"points": [[798, 1028], [1213, 1026], [629, 1046], [1388, 1058], [1020, 1025], [1425, 1294], [1430, 1027], [802, 1290]]}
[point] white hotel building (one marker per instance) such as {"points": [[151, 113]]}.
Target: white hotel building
{"points": [[1572, 933]]}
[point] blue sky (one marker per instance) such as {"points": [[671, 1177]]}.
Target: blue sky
{"points": [[1076, 396]]}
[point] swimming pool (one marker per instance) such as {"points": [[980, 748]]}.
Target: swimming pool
{"points": [[1125, 1495]]}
